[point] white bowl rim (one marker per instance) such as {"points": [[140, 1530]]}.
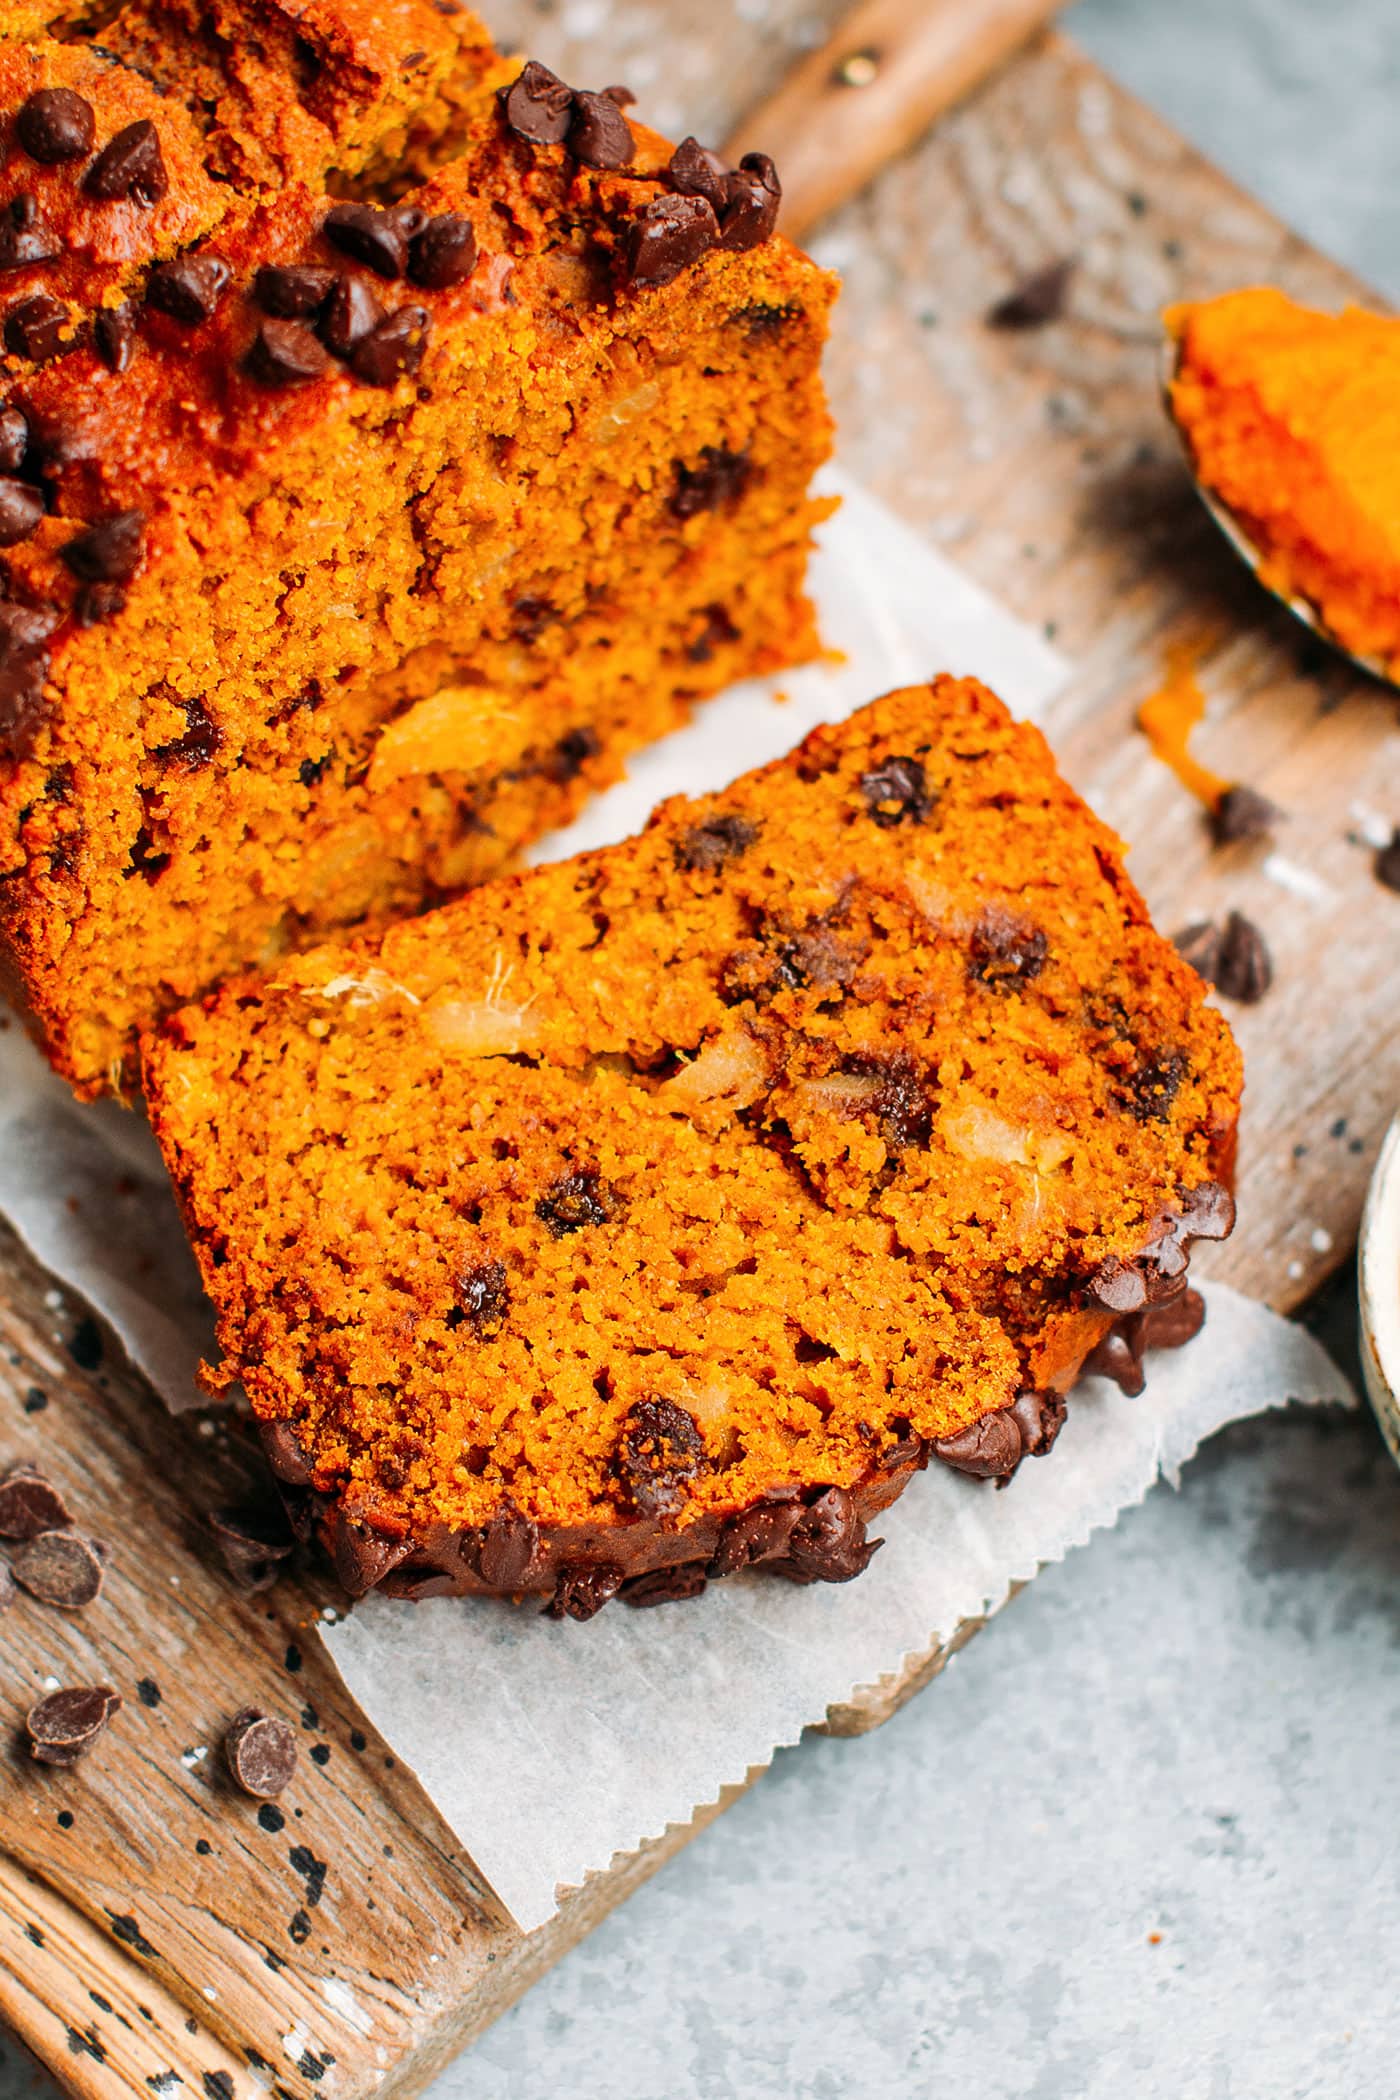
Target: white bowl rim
{"points": [[1378, 1279]]}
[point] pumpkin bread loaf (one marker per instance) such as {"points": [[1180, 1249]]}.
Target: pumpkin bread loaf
{"points": [[659, 1212], [349, 532]]}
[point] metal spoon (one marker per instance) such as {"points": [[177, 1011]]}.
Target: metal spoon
{"points": [[1245, 547]]}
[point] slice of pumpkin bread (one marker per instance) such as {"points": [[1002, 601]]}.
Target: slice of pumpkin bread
{"points": [[659, 1212], [347, 541]]}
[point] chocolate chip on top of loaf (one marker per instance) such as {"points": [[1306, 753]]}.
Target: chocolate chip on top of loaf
{"points": [[657, 1214], [387, 446]]}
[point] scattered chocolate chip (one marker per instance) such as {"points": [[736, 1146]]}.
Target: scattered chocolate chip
{"points": [[252, 1543], [1005, 952], [188, 289], [757, 1534], [375, 238], [39, 328], [666, 1585], [1199, 945], [599, 135], [30, 1504], [705, 848], [148, 1692], [1243, 813], [988, 1449], [443, 253], [352, 313], [286, 353], [582, 1591], [1233, 957], [97, 602], [293, 291], [21, 508], [828, 1542], [55, 125], [261, 1752], [1388, 863], [114, 333], [1040, 1417], [897, 792], [509, 1549], [25, 237], [24, 664], [64, 1726], [576, 1200], [1037, 300], [129, 166], [695, 171], [753, 198], [658, 1454], [14, 440], [483, 1296], [671, 235], [721, 477], [109, 552], [61, 1568], [396, 346], [538, 107]]}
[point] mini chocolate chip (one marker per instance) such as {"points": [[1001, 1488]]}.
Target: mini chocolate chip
{"points": [[575, 1200], [580, 1592], [1118, 1286], [97, 602], [286, 353], [24, 665], [1036, 300], [483, 1296], [666, 1585], [64, 1726], [395, 347], [828, 1542], [599, 135], [658, 1454], [703, 849], [672, 234], [114, 333], [375, 238], [988, 1449], [39, 328], [1388, 863], [721, 477], [444, 253], [753, 197], [755, 1535], [537, 106], [109, 552], [61, 1568], [896, 792], [55, 125], [30, 1504], [129, 166], [1005, 952], [25, 236], [293, 291], [695, 171], [261, 1752], [21, 508], [14, 440], [1243, 813], [1241, 968], [352, 313], [509, 1549], [252, 1544], [188, 289]]}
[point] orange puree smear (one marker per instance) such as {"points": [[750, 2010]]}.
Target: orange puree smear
{"points": [[1169, 716], [1293, 420]]}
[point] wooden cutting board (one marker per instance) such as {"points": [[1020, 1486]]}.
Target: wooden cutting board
{"points": [[158, 1934]]}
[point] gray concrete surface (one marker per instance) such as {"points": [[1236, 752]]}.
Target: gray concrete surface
{"points": [[1140, 1842]]}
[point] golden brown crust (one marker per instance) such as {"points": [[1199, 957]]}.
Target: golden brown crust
{"points": [[834, 1120]]}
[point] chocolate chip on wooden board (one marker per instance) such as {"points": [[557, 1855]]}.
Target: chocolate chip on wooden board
{"points": [[64, 1726], [30, 1504], [1037, 300], [1388, 863], [62, 1568], [1234, 957], [252, 1544], [1243, 813], [261, 1753]]}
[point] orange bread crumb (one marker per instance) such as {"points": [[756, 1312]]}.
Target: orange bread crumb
{"points": [[1293, 418], [657, 1212]]}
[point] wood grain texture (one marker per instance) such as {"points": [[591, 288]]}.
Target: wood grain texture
{"points": [[1039, 462], [873, 90]]}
